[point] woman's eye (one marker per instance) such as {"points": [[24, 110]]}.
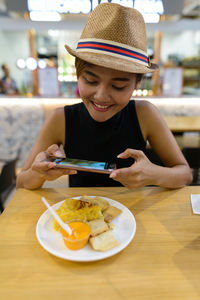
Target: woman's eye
{"points": [[119, 88], [90, 81]]}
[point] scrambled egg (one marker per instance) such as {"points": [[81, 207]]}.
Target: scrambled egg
{"points": [[77, 210]]}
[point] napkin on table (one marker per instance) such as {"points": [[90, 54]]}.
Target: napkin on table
{"points": [[195, 200]]}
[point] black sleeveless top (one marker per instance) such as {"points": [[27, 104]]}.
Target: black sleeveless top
{"points": [[88, 139]]}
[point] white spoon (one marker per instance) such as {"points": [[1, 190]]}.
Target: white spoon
{"points": [[56, 216]]}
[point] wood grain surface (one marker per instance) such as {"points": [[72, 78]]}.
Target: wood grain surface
{"points": [[162, 262], [183, 123]]}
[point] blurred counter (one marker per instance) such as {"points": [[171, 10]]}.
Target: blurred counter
{"points": [[20, 122], [186, 106], [22, 118]]}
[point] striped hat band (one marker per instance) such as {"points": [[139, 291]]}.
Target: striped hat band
{"points": [[113, 49]]}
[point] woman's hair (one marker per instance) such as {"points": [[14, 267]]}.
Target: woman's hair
{"points": [[81, 64], [4, 67]]}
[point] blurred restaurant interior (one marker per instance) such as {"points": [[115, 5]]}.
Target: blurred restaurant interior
{"points": [[32, 38], [136, 234]]}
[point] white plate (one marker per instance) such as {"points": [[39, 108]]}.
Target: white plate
{"points": [[51, 240]]}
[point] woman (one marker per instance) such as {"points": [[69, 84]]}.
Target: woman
{"points": [[110, 60], [7, 83]]}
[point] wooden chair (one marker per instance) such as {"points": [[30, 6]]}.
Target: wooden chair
{"points": [[7, 180], [192, 155]]}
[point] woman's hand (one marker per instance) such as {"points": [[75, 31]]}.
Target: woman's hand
{"points": [[45, 168], [141, 173]]}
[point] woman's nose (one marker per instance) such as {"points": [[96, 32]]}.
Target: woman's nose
{"points": [[102, 94]]}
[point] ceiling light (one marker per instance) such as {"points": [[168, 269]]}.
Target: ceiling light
{"points": [[42, 64], [149, 6], [45, 16], [21, 64], [31, 63], [151, 18]]}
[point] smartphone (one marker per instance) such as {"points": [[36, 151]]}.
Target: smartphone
{"points": [[85, 165]]}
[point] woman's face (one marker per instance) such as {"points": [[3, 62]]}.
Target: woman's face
{"points": [[105, 91]]}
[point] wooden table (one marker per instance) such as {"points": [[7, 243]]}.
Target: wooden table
{"points": [[162, 262], [183, 123]]}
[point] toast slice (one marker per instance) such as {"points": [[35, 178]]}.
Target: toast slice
{"points": [[111, 213], [98, 226], [101, 202], [104, 241]]}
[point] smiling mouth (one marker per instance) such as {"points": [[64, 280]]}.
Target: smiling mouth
{"points": [[101, 107]]}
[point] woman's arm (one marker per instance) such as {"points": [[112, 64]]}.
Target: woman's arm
{"points": [[36, 170], [176, 172]]}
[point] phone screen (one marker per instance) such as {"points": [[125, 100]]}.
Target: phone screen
{"points": [[85, 165]]}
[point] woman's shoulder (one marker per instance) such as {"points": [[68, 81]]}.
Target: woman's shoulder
{"points": [[144, 107], [144, 104], [55, 118], [55, 125], [57, 113], [148, 115]]}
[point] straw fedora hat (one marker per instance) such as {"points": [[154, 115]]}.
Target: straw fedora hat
{"points": [[115, 37]]}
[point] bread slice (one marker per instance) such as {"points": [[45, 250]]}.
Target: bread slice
{"points": [[101, 202], [111, 213], [98, 226], [87, 199], [104, 241]]}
